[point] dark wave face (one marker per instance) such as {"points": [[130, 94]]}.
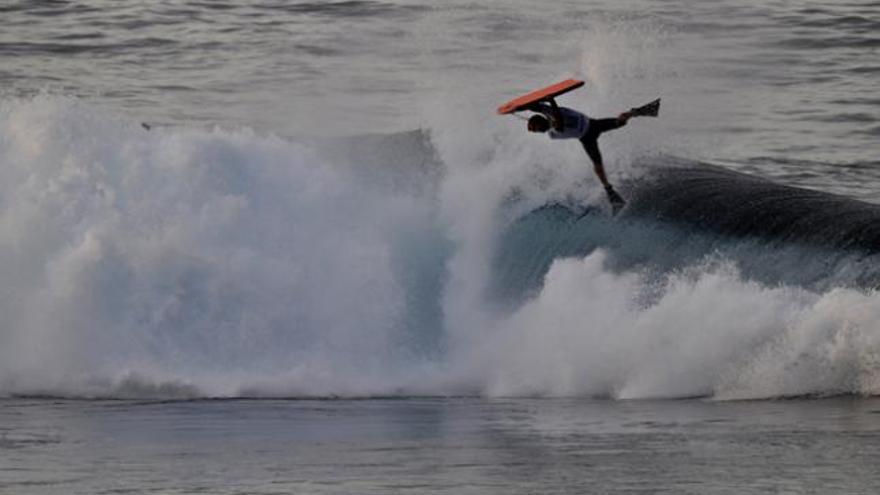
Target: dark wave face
{"points": [[691, 214], [738, 205]]}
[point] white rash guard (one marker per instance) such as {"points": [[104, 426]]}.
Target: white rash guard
{"points": [[574, 123]]}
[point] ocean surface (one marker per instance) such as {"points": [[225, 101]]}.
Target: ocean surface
{"points": [[289, 247]]}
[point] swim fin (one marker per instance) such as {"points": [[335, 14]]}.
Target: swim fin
{"points": [[617, 202], [647, 110]]}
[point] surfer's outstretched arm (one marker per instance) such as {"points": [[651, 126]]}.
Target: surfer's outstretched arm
{"points": [[557, 121]]}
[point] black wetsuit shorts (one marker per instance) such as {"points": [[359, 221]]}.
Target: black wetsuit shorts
{"points": [[590, 140]]}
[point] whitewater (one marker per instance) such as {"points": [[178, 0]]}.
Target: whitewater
{"points": [[217, 263]]}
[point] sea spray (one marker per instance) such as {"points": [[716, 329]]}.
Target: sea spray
{"points": [[201, 257]]}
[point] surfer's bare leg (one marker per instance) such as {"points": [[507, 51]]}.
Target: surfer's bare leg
{"points": [[591, 146]]}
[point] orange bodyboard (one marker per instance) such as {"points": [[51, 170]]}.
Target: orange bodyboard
{"points": [[552, 91]]}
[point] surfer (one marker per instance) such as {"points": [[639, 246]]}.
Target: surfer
{"points": [[565, 123]]}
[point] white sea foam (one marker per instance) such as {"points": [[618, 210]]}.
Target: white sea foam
{"points": [[709, 334], [194, 256]]}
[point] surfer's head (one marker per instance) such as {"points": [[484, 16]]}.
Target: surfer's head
{"points": [[538, 123]]}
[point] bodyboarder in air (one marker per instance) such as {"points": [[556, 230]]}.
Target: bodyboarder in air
{"points": [[565, 123]]}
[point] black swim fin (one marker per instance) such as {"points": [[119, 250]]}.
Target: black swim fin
{"points": [[617, 202], [647, 110]]}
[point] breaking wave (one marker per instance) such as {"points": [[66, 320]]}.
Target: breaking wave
{"points": [[223, 263]]}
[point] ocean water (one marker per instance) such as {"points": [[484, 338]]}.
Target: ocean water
{"points": [[448, 445], [289, 247]]}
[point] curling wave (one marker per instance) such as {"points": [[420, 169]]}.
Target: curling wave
{"points": [[711, 283], [682, 212]]}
